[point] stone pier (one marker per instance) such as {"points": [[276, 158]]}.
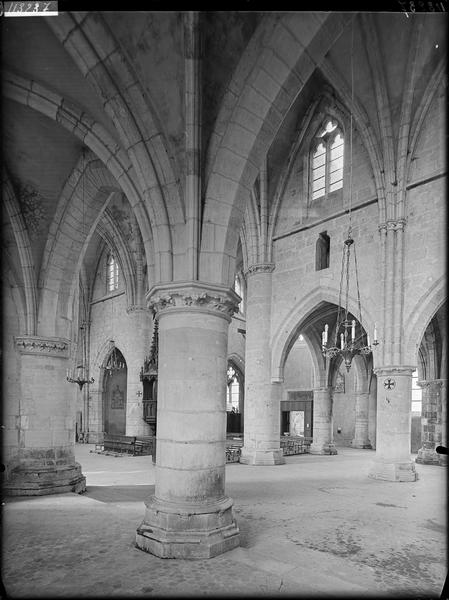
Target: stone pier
{"points": [[361, 438], [189, 515], [262, 399], [46, 422], [431, 422], [323, 442], [394, 396]]}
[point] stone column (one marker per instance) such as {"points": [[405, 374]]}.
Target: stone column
{"points": [[443, 457], [261, 442], [361, 438], [394, 392], [431, 422], [46, 422], [323, 437], [189, 515]]}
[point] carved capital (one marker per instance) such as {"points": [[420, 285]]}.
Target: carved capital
{"points": [[435, 383], [394, 370], [193, 296], [393, 225], [259, 268], [37, 345], [135, 308]]}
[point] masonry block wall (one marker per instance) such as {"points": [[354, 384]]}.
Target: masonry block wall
{"points": [[12, 434], [130, 330], [298, 370], [426, 207]]}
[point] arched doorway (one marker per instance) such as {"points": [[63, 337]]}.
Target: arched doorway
{"points": [[114, 393]]}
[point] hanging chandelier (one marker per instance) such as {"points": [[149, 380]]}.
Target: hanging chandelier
{"points": [[114, 362], [82, 370], [350, 337]]}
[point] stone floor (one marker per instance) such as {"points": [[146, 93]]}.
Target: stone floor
{"points": [[316, 526]]}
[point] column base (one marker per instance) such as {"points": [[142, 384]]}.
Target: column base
{"points": [[428, 456], [400, 471], [254, 456], [361, 444], [327, 448], [189, 531], [41, 482]]}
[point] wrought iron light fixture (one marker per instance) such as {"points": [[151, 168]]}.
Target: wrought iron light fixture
{"points": [[350, 338], [114, 362], [82, 369]]}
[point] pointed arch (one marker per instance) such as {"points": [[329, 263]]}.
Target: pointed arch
{"points": [[425, 309], [297, 318], [25, 253], [37, 97], [279, 60]]}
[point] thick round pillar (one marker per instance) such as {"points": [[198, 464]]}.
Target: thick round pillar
{"points": [[45, 423], [443, 457], [261, 444], [323, 442], [189, 515], [431, 422], [361, 438], [394, 392]]}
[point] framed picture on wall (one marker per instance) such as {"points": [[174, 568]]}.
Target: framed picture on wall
{"points": [[340, 383], [117, 398]]}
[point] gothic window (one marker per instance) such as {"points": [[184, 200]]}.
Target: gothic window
{"points": [[238, 288], [233, 396], [327, 160], [416, 393], [111, 273], [322, 253]]}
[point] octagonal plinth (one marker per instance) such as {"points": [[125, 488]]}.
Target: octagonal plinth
{"points": [[43, 481], [187, 530], [256, 456]]}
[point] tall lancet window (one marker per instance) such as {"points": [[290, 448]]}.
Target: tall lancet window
{"points": [[327, 160], [111, 273]]}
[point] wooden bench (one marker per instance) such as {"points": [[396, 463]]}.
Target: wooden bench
{"points": [[144, 445], [119, 443], [295, 445], [233, 454]]}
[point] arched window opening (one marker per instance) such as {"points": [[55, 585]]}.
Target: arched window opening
{"points": [[327, 161], [112, 273], [416, 393], [322, 253], [238, 288], [233, 396]]}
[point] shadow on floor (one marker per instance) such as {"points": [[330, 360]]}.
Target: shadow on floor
{"points": [[112, 494]]}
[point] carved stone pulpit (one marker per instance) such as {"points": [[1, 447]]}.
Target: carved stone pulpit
{"points": [[148, 376]]}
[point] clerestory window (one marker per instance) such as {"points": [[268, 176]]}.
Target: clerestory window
{"points": [[327, 160], [111, 273]]}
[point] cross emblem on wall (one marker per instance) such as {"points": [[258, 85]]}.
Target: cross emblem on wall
{"points": [[138, 393], [389, 383]]}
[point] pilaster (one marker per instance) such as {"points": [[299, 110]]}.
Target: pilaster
{"points": [[262, 398], [189, 515], [46, 422], [394, 391]]}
